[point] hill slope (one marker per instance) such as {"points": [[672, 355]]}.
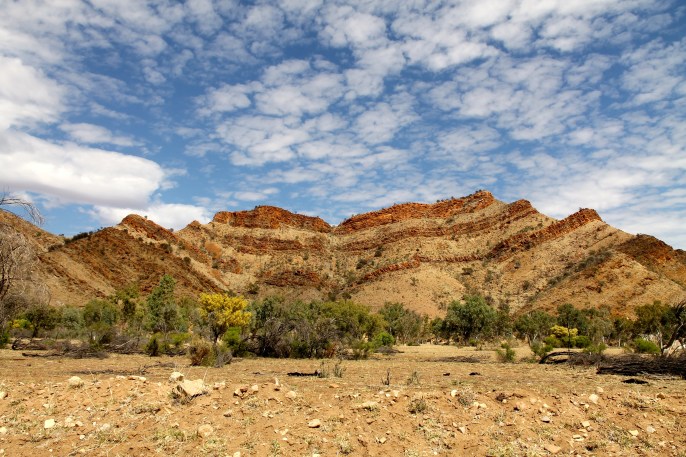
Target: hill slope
{"points": [[424, 255]]}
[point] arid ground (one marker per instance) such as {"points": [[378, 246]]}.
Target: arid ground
{"points": [[421, 401]]}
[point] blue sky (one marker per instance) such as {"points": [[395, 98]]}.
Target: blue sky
{"points": [[176, 110]]}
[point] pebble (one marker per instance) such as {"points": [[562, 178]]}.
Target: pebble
{"points": [[545, 419], [633, 432], [3, 430], [3, 395], [314, 423], [49, 423], [661, 396], [650, 429], [585, 424], [462, 430], [291, 394], [453, 393], [228, 413], [593, 398]]}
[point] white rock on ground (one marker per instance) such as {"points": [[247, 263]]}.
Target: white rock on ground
{"points": [[189, 389], [176, 377], [314, 423], [49, 423], [75, 382]]}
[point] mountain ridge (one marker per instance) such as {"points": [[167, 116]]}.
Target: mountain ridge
{"points": [[424, 255]]}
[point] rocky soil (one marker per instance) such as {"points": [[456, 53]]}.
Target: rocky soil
{"points": [[423, 401]]}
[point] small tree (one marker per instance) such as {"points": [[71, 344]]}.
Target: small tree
{"points": [[222, 311], [163, 312], [472, 318]]}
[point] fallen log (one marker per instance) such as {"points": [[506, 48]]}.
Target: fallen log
{"points": [[633, 365]]}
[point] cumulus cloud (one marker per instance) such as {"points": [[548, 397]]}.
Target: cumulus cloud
{"points": [[76, 174], [169, 215]]}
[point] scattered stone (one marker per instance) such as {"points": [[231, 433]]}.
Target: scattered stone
{"points": [[552, 448], [49, 423], [381, 440], [205, 430], [237, 454], [228, 413], [105, 427], [521, 406], [291, 394], [254, 388], [585, 424], [334, 386], [368, 405], [75, 382], [577, 437], [3, 395], [189, 389], [661, 396], [3, 430], [176, 377], [453, 393], [462, 429], [633, 432], [593, 398], [314, 423], [599, 390], [545, 419], [650, 429]]}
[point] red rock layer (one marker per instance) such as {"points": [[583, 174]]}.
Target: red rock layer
{"points": [[524, 241], [405, 211], [271, 217]]}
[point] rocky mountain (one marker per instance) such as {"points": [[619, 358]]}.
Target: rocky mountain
{"points": [[424, 255]]}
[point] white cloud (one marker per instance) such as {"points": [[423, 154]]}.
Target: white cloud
{"points": [[169, 215], [27, 96], [95, 134], [75, 174]]}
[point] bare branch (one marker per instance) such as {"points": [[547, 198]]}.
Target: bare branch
{"points": [[9, 200]]}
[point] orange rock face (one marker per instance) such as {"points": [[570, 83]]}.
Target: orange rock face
{"points": [[406, 211], [271, 217]]}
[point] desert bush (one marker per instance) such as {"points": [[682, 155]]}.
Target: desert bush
{"points": [[99, 318], [594, 348], [383, 339], [582, 341], [553, 342], [152, 348], [200, 353], [470, 319], [506, 353], [643, 346]]}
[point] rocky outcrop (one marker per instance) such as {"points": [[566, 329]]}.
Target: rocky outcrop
{"points": [[265, 244], [515, 211], [292, 278], [271, 217], [524, 241], [406, 211], [408, 265]]}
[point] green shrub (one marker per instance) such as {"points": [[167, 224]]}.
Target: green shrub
{"points": [[582, 341], [553, 342], [506, 353], [539, 348], [643, 346], [233, 340], [383, 339], [4, 338]]}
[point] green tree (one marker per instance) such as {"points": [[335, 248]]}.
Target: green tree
{"points": [[162, 311], [653, 319], [571, 317], [99, 317], [42, 317], [469, 319], [534, 325], [599, 324], [403, 324]]}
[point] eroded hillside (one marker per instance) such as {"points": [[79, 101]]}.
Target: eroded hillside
{"points": [[424, 255]]}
